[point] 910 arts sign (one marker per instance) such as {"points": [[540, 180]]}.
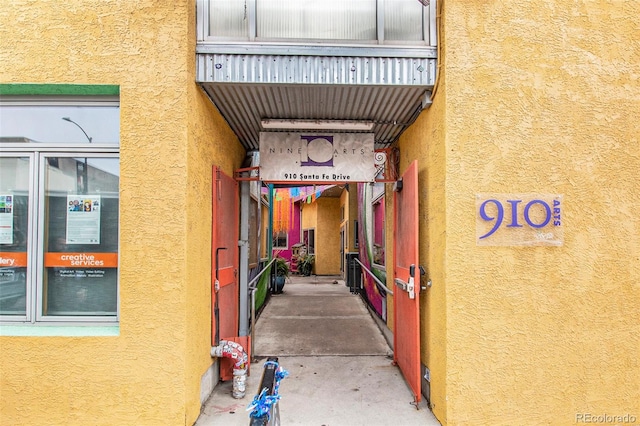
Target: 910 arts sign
{"points": [[519, 220]]}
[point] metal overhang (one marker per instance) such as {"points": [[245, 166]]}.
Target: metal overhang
{"points": [[284, 82]]}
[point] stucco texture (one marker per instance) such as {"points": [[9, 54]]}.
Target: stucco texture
{"points": [[170, 137], [324, 215], [309, 216], [328, 236], [344, 221], [424, 141], [540, 97]]}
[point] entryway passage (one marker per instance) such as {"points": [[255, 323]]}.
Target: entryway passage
{"points": [[339, 363]]}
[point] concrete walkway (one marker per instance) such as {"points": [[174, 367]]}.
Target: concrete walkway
{"points": [[339, 363]]}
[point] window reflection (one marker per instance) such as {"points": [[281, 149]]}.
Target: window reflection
{"points": [[378, 232], [81, 231], [59, 212], [101, 124], [14, 214]]}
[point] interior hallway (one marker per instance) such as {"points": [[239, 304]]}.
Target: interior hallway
{"points": [[339, 363]]}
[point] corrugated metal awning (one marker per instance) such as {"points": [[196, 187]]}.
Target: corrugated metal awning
{"points": [[247, 88]]}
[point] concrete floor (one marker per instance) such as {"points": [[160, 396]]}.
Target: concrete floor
{"points": [[339, 363]]}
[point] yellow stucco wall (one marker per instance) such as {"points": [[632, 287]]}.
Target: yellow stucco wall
{"points": [[328, 236], [170, 137], [210, 141], [425, 141], [309, 216], [323, 215], [345, 223], [351, 215], [540, 97]]}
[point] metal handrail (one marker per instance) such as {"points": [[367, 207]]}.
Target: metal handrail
{"points": [[260, 273], [253, 301], [373, 276]]}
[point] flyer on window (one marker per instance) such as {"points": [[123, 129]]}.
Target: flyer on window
{"points": [[83, 219], [6, 219]]}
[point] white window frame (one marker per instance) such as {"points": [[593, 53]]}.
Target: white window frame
{"points": [[286, 238], [37, 154], [31, 248], [379, 199], [311, 248]]}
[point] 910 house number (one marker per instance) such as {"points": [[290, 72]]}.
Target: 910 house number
{"points": [[521, 213]]}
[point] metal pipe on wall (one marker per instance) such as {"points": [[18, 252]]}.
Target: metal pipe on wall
{"points": [[236, 352]]}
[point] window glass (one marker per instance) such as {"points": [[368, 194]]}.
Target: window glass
{"points": [[312, 19], [280, 240], [309, 240], [14, 219], [317, 20], [64, 123], [378, 232], [228, 18], [59, 204], [403, 20], [356, 234], [81, 235]]}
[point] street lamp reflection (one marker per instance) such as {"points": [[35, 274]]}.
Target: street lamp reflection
{"points": [[84, 171]]}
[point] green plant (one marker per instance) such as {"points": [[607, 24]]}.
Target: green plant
{"points": [[305, 264], [282, 267], [262, 289]]}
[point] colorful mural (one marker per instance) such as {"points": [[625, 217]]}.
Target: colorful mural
{"points": [[286, 213], [374, 294]]}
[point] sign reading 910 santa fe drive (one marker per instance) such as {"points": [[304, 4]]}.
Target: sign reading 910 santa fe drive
{"points": [[328, 157], [519, 220]]}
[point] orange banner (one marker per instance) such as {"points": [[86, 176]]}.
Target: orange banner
{"points": [[13, 259], [81, 260]]}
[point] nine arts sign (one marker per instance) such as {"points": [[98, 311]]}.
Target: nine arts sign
{"points": [[304, 157]]}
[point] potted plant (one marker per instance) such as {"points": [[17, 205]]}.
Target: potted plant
{"points": [[305, 264], [282, 272]]}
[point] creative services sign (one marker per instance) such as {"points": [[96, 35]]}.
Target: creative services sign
{"points": [[519, 220], [333, 157]]}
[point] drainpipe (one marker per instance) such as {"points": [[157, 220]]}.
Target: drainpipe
{"points": [[236, 352]]}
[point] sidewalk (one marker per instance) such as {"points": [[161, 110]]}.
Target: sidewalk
{"points": [[339, 363]]}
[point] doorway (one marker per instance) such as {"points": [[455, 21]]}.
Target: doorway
{"points": [[313, 218]]}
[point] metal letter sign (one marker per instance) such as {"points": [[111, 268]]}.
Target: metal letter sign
{"points": [[300, 157], [519, 220]]}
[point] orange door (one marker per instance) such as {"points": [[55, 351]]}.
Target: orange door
{"points": [[406, 306], [224, 262]]}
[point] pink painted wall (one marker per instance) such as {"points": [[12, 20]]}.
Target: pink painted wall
{"points": [[294, 232]]}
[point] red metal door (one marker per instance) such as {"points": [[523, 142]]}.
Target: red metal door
{"points": [[224, 262], [406, 306]]}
